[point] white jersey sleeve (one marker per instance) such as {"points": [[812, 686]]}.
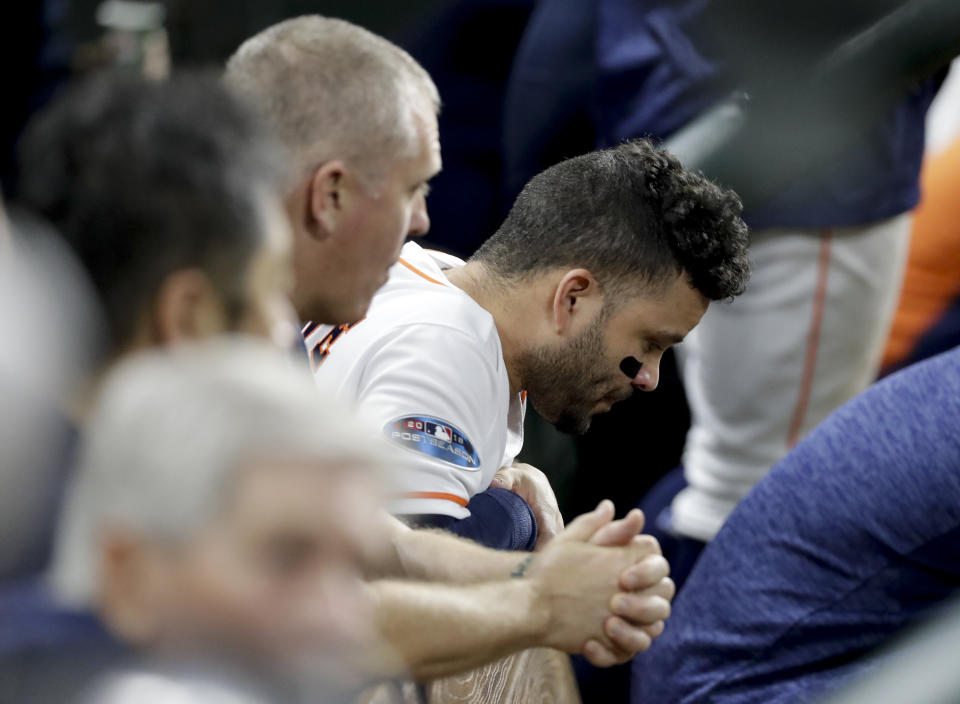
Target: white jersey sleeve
{"points": [[432, 391], [426, 365]]}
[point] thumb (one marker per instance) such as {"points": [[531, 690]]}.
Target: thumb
{"points": [[620, 532], [584, 526]]}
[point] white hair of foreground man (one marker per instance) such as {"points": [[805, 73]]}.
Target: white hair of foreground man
{"points": [[332, 90], [170, 431]]}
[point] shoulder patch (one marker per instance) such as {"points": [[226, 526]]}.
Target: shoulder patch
{"points": [[434, 437]]}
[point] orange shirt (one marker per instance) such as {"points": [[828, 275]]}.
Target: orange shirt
{"points": [[932, 279]]}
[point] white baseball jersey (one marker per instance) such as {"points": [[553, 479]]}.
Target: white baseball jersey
{"points": [[426, 365]]}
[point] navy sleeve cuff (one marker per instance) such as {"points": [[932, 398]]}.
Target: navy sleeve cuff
{"points": [[498, 519]]}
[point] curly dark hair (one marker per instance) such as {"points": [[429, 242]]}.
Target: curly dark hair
{"points": [[632, 215]]}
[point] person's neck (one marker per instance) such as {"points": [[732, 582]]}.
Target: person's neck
{"points": [[475, 280]]}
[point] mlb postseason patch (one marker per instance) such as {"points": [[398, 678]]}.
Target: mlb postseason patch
{"points": [[433, 437]]}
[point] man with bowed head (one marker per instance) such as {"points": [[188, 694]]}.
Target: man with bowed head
{"points": [[604, 262]]}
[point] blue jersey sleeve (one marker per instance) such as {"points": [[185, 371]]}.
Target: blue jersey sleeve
{"points": [[498, 518]]}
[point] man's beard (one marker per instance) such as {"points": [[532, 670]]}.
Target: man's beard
{"points": [[562, 383]]}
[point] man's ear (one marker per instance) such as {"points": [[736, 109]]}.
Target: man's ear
{"points": [[325, 198], [576, 300], [127, 577], [187, 307]]}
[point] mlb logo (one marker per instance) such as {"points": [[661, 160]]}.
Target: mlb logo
{"points": [[434, 437]]}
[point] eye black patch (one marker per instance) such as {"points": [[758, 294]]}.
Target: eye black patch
{"points": [[630, 366]]}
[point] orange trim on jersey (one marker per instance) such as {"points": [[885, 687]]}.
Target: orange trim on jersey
{"points": [[416, 271], [523, 396], [433, 495], [320, 350], [813, 338]]}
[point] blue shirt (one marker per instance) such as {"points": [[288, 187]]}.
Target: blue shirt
{"points": [[851, 537], [653, 77], [49, 653]]}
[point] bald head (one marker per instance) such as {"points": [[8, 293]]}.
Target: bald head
{"points": [[333, 90]]}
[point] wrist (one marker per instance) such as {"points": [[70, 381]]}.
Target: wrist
{"points": [[533, 612]]}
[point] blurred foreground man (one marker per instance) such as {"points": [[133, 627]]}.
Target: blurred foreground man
{"points": [[166, 195], [209, 521], [163, 191]]}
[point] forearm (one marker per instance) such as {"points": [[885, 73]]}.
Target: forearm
{"points": [[565, 600], [440, 630]]}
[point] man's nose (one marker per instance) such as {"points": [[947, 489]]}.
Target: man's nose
{"points": [[419, 220], [642, 376], [647, 378]]}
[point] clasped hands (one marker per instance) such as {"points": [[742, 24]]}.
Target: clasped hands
{"points": [[604, 587]]}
